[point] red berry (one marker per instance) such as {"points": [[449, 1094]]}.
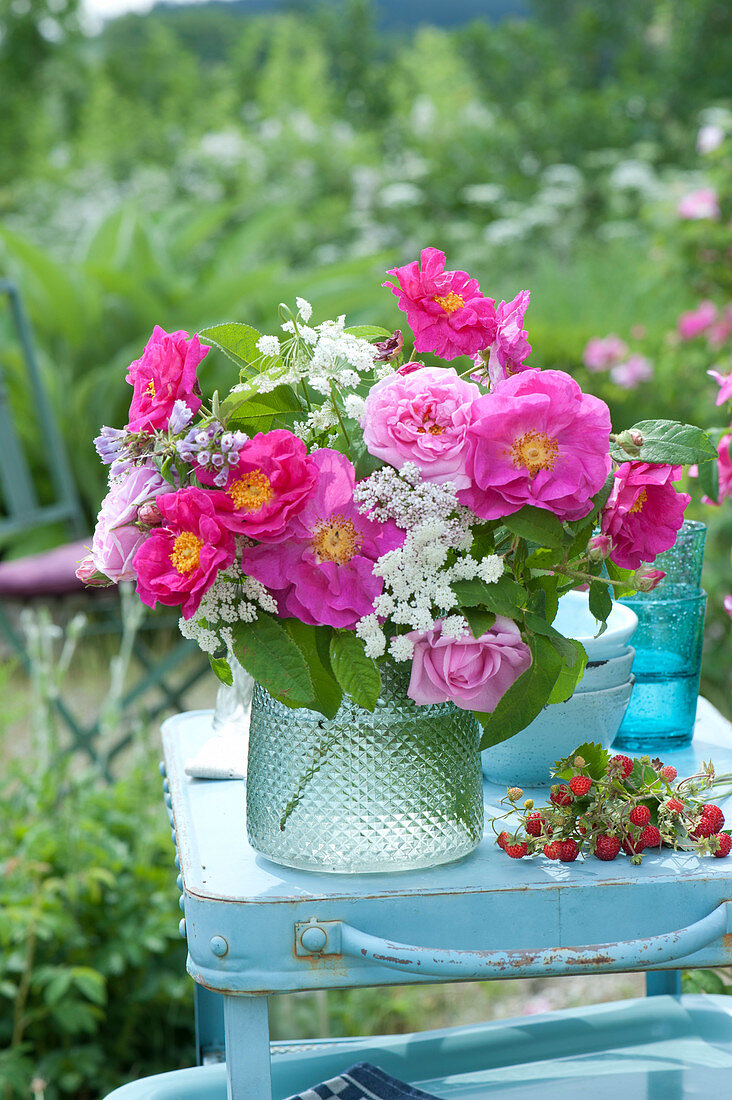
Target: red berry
{"points": [[607, 847], [502, 839], [568, 850], [704, 828], [625, 761], [640, 815], [534, 823], [562, 796], [650, 837], [553, 849], [713, 814], [675, 806], [724, 843], [632, 847], [516, 851], [668, 771], [579, 785]]}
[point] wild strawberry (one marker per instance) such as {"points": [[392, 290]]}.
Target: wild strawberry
{"points": [[561, 796], [607, 847], [579, 785], [724, 843], [640, 815], [568, 850], [713, 814], [516, 851], [534, 823], [625, 761], [668, 771], [705, 827], [632, 847], [553, 849], [502, 839], [650, 837], [675, 806]]}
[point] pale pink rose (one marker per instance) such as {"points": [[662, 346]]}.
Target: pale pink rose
{"points": [[699, 204], [692, 324], [727, 604], [472, 673], [634, 370], [536, 439], [117, 537], [421, 417], [724, 381], [603, 352], [720, 332], [446, 310], [644, 512]]}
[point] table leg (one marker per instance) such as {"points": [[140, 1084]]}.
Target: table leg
{"points": [[660, 982], [246, 1024]]}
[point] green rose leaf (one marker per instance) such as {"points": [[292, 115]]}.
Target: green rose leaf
{"points": [[601, 603], [709, 479], [537, 624], [313, 642], [670, 443], [221, 669], [369, 332], [570, 674], [526, 697], [357, 674], [268, 653], [537, 525], [621, 579], [250, 411], [503, 596], [479, 620], [544, 596], [237, 341]]}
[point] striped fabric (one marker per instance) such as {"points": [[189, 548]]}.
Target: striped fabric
{"points": [[363, 1082]]}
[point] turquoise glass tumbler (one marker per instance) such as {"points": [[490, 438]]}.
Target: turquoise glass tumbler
{"points": [[682, 564], [668, 650]]}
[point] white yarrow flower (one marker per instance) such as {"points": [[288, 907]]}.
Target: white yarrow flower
{"points": [[304, 308], [268, 345]]}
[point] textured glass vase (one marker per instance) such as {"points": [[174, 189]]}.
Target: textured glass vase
{"points": [[392, 790]]}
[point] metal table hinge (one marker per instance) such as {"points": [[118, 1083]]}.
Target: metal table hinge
{"points": [[316, 937]]}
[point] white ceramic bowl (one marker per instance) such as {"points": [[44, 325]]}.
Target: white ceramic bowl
{"points": [[607, 672], [526, 758], [575, 620]]}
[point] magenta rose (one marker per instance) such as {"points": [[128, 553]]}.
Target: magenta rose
{"points": [[322, 570], [536, 439], [724, 466], [178, 562], [117, 537], [164, 374], [472, 673], [511, 347], [446, 310], [421, 417], [644, 512], [696, 321], [267, 487]]}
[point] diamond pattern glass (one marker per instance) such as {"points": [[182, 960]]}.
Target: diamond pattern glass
{"points": [[392, 790]]}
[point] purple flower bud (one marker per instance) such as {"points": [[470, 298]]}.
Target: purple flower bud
{"points": [[389, 349], [109, 443]]}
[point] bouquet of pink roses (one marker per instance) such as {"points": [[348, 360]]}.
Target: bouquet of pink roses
{"points": [[346, 502]]}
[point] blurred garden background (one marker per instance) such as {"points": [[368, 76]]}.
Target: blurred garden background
{"points": [[200, 163]]}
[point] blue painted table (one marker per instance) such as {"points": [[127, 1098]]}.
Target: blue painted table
{"points": [[254, 928]]}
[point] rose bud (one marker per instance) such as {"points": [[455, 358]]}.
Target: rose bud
{"points": [[599, 547], [389, 349], [646, 579], [149, 514], [88, 573]]}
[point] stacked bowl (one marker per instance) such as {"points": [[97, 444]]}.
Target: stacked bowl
{"points": [[593, 713]]}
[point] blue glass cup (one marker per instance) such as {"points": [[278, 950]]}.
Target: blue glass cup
{"points": [[682, 564], [667, 665]]}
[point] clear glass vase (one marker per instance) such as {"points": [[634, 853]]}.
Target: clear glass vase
{"points": [[392, 790]]}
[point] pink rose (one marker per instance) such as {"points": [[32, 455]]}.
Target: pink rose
{"points": [[88, 573], [635, 369], [472, 673], [421, 417], [724, 466], [644, 512], [647, 578], [724, 381], [702, 203], [177, 563], [511, 348], [537, 439], [165, 373], [446, 310], [270, 483], [117, 537], [603, 352], [695, 321]]}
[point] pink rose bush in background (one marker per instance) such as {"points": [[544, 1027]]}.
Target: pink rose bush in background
{"points": [[347, 503], [700, 204]]}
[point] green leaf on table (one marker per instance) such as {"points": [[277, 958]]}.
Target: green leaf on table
{"points": [[570, 674], [357, 674], [268, 653], [313, 642], [595, 758], [670, 443], [221, 669], [526, 697], [537, 525], [503, 596], [601, 603], [479, 620]]}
